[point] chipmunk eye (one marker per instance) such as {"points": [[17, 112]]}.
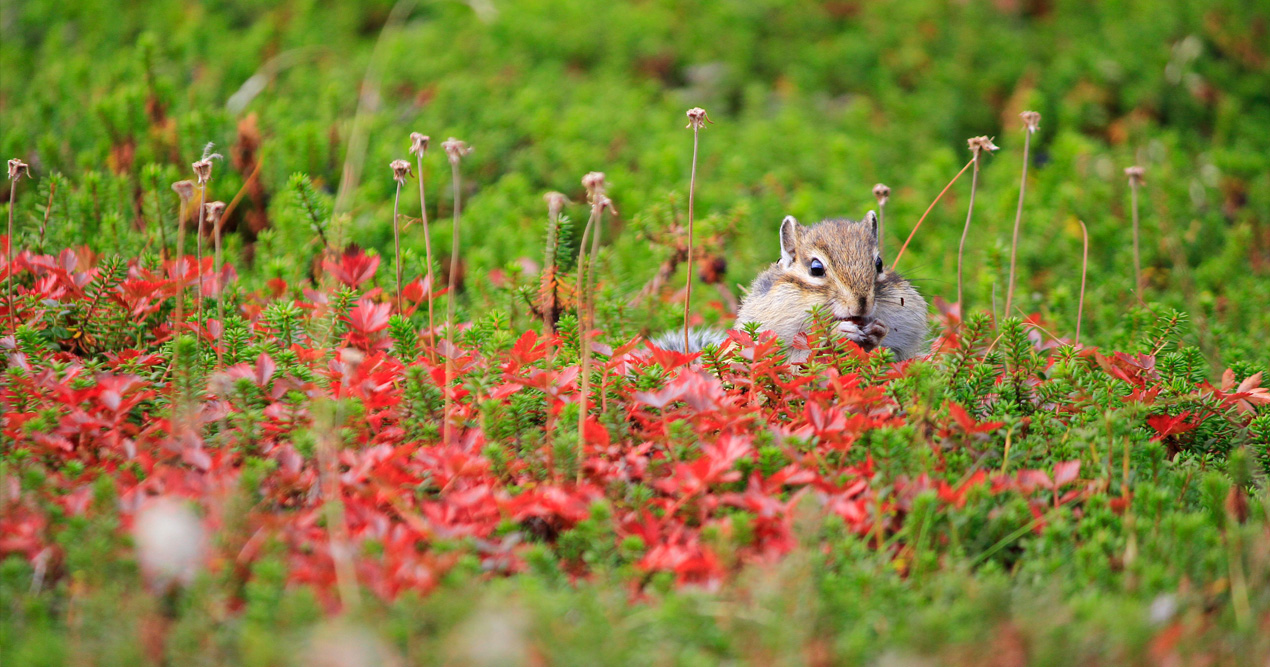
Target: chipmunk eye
{"points": [[817, 269], [877, 262]]}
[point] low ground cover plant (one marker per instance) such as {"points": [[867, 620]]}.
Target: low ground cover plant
{"points": [[300, 441]]}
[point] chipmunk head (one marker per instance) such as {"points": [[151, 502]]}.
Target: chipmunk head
{"points": [[835, 263]]}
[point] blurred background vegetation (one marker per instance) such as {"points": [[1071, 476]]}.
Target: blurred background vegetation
{"points": [[813, 103]]}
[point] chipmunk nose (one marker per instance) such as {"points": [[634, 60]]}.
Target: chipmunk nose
{"points": [[850, 307]]}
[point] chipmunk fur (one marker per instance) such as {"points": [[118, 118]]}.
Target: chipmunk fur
{"points": [[835, 265]]}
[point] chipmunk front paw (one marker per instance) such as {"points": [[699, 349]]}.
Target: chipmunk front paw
{"points": [[867, 333]]}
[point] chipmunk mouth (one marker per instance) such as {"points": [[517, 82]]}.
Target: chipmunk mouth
{"points": [[852, 326]]}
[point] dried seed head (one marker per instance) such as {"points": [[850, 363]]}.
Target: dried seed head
{"points": [[18, 169], [594, 183], [1031, 120], [419, 143], [455, 149], [697, 118], [401, 171], [203, 170], [214, 210], [555, 202], [184, 189], [882, 193], [208, 154], [602, 202], [978, 144], [1136, 175]]}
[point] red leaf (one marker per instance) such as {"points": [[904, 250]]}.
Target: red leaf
{"points": [[367, 317], [265, 368], [354, 268], [1166, 425], [1065, 473]]}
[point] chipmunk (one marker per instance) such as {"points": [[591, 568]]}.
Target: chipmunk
{"points": [[834, 264]]}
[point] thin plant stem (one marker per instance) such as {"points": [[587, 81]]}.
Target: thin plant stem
{"points": [[881, 226], [233, 203], [692, 186], [163, 231], [396, 244], [198, 324], [449, 317], [8, 283], [961, 248], [180, 260], [1018, 217], [584, 335], [427, 252], [220, 290], [882, 194], [582, 269], [1084, 267], [928, 210], [590, 325], [48, 209], [1137, 258], [548, 287]]}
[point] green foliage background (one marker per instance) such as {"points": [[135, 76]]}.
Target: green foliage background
{"points": [[813, 103]]}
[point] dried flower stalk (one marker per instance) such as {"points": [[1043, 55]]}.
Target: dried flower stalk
{"points": [[185, 192], [400, 172], [977, 146], [455, 150], [17, 169], [697, 119], [1031, 121], [882, 193], [1084, 269], [555, 203], [215, 213], [418, 146], [1136, 180], [203, 174]]}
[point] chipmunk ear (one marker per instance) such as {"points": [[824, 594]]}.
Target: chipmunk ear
{"points": [[789, 241], [872, 219]]}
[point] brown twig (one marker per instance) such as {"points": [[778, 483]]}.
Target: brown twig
{"points": [[928, 210]]}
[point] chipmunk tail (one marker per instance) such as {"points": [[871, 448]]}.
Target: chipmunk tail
{"points": [[698, 339]]}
